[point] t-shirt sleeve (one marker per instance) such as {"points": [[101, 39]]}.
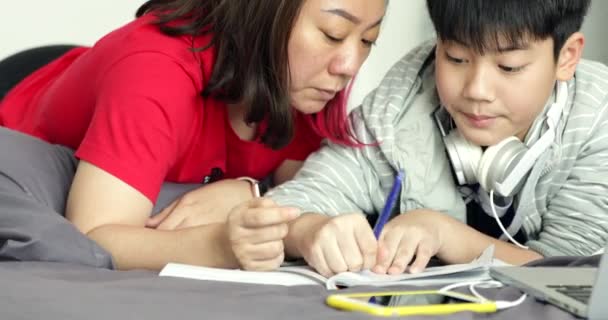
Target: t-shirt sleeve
{"points": [[305, 141], [142, 104]]}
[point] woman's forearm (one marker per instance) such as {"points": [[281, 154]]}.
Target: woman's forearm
{"points": [[144, 248]]}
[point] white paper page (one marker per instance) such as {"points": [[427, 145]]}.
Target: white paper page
{"points": [[475, 270], [235, 275]]}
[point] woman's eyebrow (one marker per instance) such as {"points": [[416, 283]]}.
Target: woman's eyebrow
{"points": [[350, 17]]}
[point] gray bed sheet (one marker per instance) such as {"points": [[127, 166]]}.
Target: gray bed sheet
{"points": [[46, 290]]}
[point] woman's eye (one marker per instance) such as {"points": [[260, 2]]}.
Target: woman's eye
{"points": [[368, 43], [332, 39]]}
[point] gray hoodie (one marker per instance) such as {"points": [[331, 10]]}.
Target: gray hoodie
{"points": [[563, 206]]}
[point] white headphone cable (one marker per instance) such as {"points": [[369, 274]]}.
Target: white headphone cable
{"points": [[500, 304], [502, 228]]}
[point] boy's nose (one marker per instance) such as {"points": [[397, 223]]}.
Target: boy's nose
{"points": [[478, 86]]}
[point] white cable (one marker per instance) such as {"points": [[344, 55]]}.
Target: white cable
{"points": [[457, 285], [502, 228], [500, 304], [484, 284]]}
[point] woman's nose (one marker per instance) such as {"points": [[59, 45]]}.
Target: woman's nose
{"points": [[348, 61]]}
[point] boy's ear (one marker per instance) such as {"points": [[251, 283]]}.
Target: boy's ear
{"points": [[569, 56]]}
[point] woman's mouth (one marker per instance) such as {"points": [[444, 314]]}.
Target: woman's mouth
{"points": [[326, 94]]}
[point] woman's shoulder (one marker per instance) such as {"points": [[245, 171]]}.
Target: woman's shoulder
{"points": [[143, 36]]}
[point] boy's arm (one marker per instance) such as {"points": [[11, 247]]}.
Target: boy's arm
{"points": [[332, 181]]}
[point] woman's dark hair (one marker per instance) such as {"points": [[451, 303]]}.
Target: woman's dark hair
{"points": [[251, 39], [481, 24]]}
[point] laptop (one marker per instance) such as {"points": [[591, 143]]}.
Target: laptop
{"points": [[580, 290]]}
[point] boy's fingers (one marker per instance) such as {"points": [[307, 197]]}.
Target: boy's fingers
{"points": [[403, 256], [381, 255], [351, 253], [390, 241], [423, 255], [334, 258], [317, 261], [368, 245]]}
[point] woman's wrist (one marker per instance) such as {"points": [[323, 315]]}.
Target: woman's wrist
{"points": [[253, 184]]}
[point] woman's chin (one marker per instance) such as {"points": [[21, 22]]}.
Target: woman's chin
{"points": [[310, 107]]}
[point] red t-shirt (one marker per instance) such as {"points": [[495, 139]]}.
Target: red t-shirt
{"points": [[131, 105]]}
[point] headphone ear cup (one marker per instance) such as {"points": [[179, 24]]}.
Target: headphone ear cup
{"points": [[464, 157], [497, 163]]}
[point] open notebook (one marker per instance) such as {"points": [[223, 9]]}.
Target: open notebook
{"points": [[304, 275]]}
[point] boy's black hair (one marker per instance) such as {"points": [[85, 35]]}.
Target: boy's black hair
{"points": [[485, 25]]}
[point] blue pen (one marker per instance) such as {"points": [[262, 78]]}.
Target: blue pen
{"points": [[389, 205]]}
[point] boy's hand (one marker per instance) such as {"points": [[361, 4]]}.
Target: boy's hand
{"points": [[337, 244], [413, 237], [256, 230]]}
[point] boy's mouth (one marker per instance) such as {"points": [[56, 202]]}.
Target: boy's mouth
{"points": [[479, 121]]}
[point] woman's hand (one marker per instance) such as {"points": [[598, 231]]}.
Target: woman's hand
{"points": [[336, 244], [208, 204], [256, 230], [411, 238]]}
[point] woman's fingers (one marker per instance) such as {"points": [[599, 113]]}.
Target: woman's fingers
{"points": [[156, 220], [262, 217], [262, 257]]}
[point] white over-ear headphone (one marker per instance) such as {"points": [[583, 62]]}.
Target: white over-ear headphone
{"points": [[502, 167]]}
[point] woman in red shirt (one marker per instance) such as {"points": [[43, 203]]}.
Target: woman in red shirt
{"points": [[193, 92]]}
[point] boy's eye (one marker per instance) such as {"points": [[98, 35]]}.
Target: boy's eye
{"points": [[454, 59], [511, 69]]}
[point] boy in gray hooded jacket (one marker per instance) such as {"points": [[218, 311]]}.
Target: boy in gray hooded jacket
{"points": [[497, 122]]}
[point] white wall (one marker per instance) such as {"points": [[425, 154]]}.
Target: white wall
{"points": [[595, 28], [406, 24], [29, 23]]}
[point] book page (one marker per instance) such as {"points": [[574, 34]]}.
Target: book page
{"points": [[296, 275], [289, 277], [477, 269]]}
